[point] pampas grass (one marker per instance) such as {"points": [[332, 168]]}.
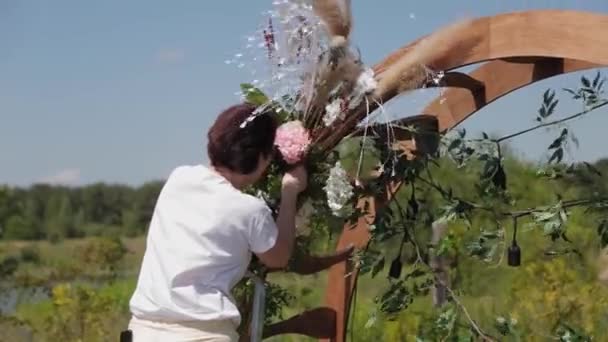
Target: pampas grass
{"points": [[409, 71], [337, 19]]}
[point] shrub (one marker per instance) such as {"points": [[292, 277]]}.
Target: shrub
{"points": [[30, 254], [8, 266]]}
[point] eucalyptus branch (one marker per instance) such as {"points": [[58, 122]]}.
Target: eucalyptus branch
{"points": [[551, 123], [447, 195], [477, 329], [515, 214], [412, 236], [453, 295], [565, 205], [503, 243]]}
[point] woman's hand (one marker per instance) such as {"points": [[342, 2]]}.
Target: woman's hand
{"points": [[295, 180]]}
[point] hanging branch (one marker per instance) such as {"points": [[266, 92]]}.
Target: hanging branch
{"points": [[551, 123], [453, 295]]}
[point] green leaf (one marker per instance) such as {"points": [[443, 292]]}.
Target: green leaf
{"points": [[446, 320], [455, 144], [378, 266], [556, 143], [557, 156], [563, 215], [551, 108], [446, 245], [500, 178], [596, 80], [371, 322], [546, 96], [505, 327], [585, 82], [395, 299], [489, 234], [567, 333], [553, 228], [592, 168], [254, 95], [416, 273], [543, 216], [551, 97]]}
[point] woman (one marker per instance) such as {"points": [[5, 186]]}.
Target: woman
{"points": [[204, 230]]}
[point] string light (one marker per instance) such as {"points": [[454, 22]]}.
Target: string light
{"points": [[514, 252]]}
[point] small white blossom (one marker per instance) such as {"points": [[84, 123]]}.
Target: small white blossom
{"points": [[339, 190], [366, 84], [332, 111]]}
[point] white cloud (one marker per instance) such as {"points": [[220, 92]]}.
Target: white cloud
{"points": [[67, 177], [170, 56]]}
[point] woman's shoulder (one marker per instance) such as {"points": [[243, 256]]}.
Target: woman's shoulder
{"points": [[252, 203], [200, 179], [187, 170]]}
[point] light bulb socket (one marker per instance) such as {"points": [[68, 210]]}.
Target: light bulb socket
{"points": [[514, 255], [395, 270]]}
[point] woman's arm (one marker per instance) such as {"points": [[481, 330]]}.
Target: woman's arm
{"points": [[294, 182]]}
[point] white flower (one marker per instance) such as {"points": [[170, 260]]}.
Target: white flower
{"points": [[339, 190], [366, 84], [332, 111]]}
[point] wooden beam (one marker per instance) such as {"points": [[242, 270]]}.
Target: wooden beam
{"points": [[499, 78]]}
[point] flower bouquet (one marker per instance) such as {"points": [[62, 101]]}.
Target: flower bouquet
{"points": [[323, 96]]}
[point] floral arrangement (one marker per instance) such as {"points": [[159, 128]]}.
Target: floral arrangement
{"points": [[324, 97], [330, 190], [321, 92]]}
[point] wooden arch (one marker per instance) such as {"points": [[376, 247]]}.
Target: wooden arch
{"points": [[518, 49]]}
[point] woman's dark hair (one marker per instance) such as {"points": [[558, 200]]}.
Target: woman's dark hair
{"points": [[236, 147]]}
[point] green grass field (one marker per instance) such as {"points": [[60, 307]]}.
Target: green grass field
{"points": [[538, 294]]}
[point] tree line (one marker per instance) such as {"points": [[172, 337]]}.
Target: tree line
{"points": [[57, 212]]}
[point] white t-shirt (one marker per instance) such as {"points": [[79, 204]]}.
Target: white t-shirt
{"points": [[199, 245]]}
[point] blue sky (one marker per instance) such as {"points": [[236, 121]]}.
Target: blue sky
{"points": [[124, 91]]}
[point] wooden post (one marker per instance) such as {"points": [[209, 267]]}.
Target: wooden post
{"points": [[439, 263]]}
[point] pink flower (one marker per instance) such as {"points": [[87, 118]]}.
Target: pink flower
{"points": [[292, 140]]}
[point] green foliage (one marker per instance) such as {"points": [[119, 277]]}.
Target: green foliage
{"points": [[590, 92], [8, 266], [30, 254], [56, 213], [561, 293], [484, 208], [79, 312], [103, 253]]}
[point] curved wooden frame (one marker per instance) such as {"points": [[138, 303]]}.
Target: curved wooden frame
{"points": [[520, 48], [469, 93]]}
